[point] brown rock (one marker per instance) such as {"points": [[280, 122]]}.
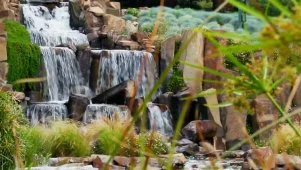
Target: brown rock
{"points": [[97, 163], [265, 113], [7, 15], [123, 161], [6, 88], [199, 130], [18, 96], [3, 52], [129, 45], [97, 11], [167, 52], [139, 37], [263, 157], [194, 54], [289, 161], [3, 5], [114, 5], [113, 23], [212, 61], [178, 160], [93, 21], [3, 70], [234, 125]]}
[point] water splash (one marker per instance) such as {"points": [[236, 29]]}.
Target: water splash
{"points": [[51, 28], [99, 111], [160, 119], [43, 113], [118, 66]]}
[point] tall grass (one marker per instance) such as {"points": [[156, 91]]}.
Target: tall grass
{"points": [[11, 119], [68, 140]]}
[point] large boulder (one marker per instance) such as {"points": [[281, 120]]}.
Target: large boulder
{"points": [[234, 126], [97, 11], [7, 15], [113, 23], [199, 130], [3, 5], [76, 14], [77, 105], [3, 52], [265, 113], [3, 70], [213, 62], [193, 54], [93, 21]]}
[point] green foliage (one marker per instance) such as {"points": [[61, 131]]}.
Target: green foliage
{"points": [[205, 4], [36, 145], [16, 32], [242, 57], [176, 82], [133, 11], [23, 57], [271, 10], [67, 140], [11, 119]]}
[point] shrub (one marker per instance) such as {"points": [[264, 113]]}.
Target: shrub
{"points": [[23, 57], [11, 119], [36, 145], [175, 82], [285, 140], [67, 140], [152, 143], [133, 11]]}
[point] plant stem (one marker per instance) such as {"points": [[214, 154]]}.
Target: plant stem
{"points": [[282, 113]]}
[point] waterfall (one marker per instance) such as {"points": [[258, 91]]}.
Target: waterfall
{"points": [[63, 73], [160, 119], [42, 113], [51, 28], [117, 66], [98, 111]]}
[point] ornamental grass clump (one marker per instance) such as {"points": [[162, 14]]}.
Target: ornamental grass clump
{"points": [[36, 145], [67, 139], [11, 121], [285, 140], [109, 140]]}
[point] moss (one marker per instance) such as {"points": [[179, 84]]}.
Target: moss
{"points": [[23, 56]]}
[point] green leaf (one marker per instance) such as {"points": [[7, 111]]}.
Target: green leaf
{"points": [[248, 9], [226, 104], [282, 8]]}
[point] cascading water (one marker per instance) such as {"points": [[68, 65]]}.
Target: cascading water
{"points": [[51, 28], [117, 66], [160, 119], [98, 111], [41, 113], [63, 74]]}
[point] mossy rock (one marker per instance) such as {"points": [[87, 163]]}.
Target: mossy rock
{"points": [[24, 58]]}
